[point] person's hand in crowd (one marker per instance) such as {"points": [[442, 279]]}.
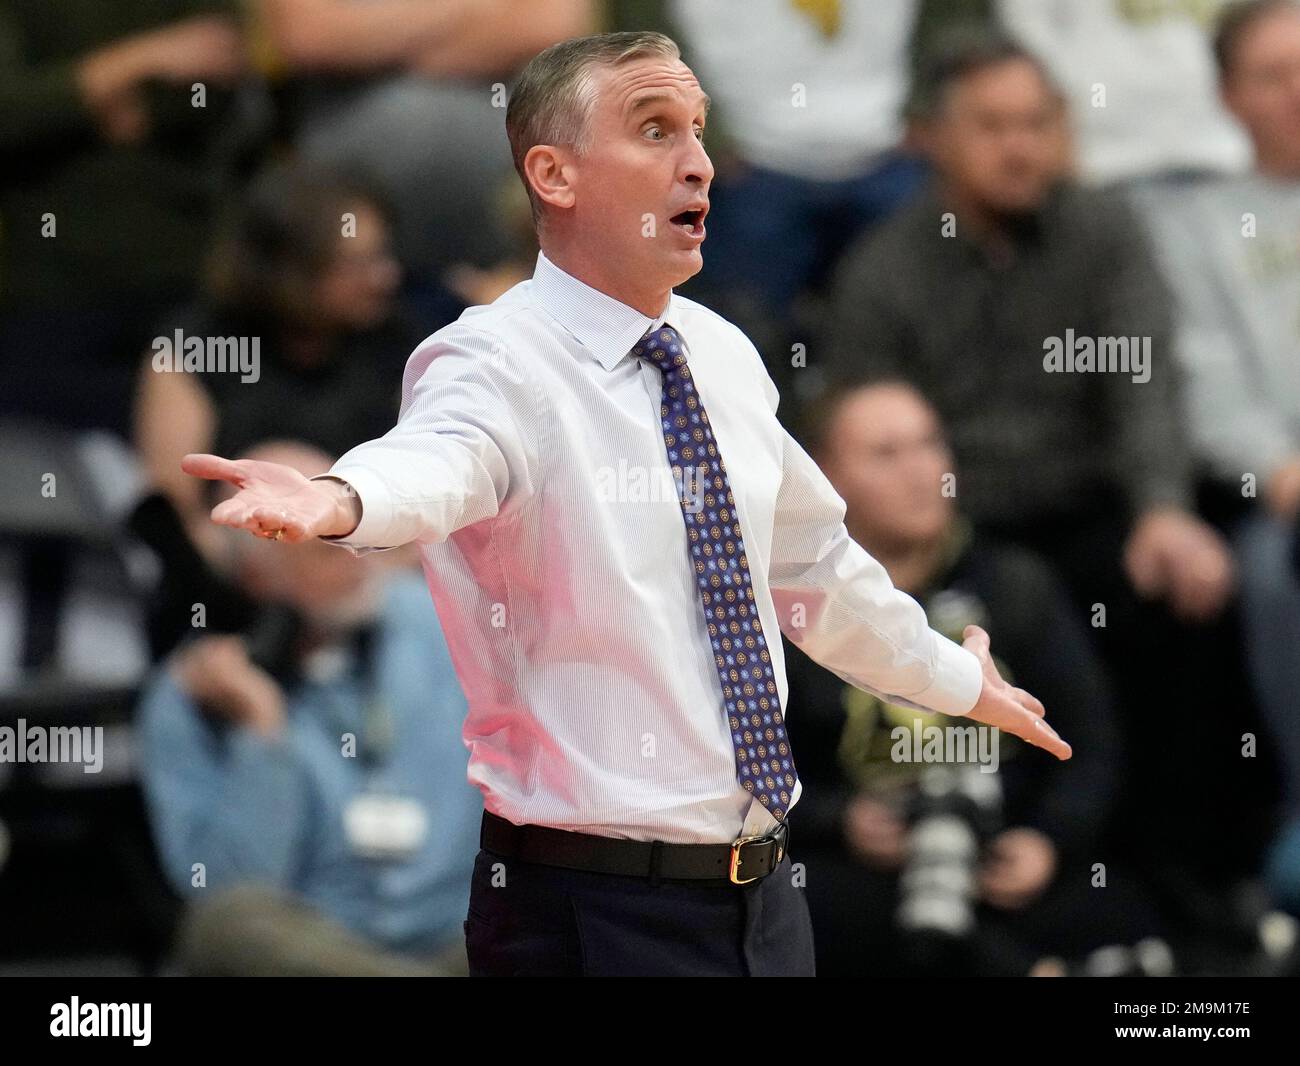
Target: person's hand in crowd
{"points": [[1005, 707], [274, 498], [202, 48], [1282, 492], [874, 833], [1019, 864], [206, 48], [109, 85], [218, 675], [1174, 556]]}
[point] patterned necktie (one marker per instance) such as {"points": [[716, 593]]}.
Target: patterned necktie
{"points": [[764, 766]]}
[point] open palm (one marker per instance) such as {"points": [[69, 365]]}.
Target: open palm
{"points": [[271, 497]]}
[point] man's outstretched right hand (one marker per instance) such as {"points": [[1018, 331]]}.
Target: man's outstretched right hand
{"points": [[274, 498]]}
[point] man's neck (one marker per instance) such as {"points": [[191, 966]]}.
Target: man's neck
{"points": [[652, 304]]}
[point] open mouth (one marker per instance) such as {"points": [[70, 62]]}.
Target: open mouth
{"points": [[691, 221]]}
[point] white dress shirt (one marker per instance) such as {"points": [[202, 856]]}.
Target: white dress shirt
{"points": [[528, 462]]}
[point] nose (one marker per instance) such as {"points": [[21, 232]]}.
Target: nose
{"points": [[696, 166]]}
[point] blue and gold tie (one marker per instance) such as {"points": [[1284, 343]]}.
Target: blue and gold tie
{"points": [[764, 766]]}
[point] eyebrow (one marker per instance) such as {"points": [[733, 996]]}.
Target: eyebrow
{"points": [[660, 98]]}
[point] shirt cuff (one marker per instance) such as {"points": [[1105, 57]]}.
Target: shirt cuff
{"points": [[376, 511], [958, 680]]}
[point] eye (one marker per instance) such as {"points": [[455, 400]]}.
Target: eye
{"points": [[650, 130], [699, 133]]}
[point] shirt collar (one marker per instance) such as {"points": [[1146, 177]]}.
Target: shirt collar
{"points": [[604, 326]]}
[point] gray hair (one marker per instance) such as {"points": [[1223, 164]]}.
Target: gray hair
{"points": [[552, 100]]}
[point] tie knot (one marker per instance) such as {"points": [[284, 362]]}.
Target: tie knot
{"points": [[662, 347]]}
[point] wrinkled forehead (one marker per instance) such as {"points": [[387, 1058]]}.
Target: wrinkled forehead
{"points": [[624, 91]]}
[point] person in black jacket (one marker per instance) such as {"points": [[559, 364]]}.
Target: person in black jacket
{"points": [[1035, 886]]}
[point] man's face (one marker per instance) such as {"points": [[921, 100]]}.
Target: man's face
{"points": [[1000, 138], [886, 457], [645, 166], [1263, 87]]}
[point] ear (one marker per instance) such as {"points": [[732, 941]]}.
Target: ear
{"points": [[550, 173]]}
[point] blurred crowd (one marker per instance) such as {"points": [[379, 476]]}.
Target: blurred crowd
{"points": [[1028, 275]]}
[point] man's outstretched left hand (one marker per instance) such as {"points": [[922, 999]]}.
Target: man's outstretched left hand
{"points": [[1006, 707]]}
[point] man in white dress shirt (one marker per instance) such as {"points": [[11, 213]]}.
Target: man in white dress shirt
{"points": [[612, 594]]}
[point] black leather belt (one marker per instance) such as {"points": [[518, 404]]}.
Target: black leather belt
{"points": [[744, 860]]}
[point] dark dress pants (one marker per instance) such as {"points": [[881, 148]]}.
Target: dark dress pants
{"points": [[530, 920]]}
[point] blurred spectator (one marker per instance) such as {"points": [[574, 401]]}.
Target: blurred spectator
{"points": [[1014, 255], [1031, 314], [811, 97], [883, 450], [303, 270], [117, 123], [413, 90], [1230, 250], [1139, 82], [309, 795]]}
